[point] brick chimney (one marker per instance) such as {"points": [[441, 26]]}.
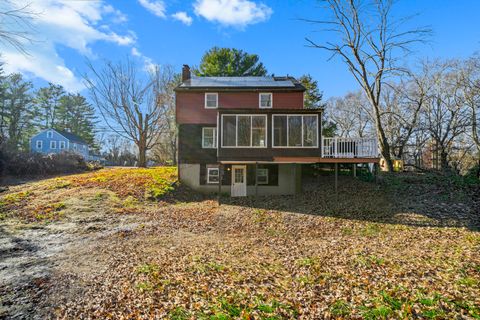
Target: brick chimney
{"points": [[186, 72]]}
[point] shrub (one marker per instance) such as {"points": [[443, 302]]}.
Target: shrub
{"points": [[24, 163]]}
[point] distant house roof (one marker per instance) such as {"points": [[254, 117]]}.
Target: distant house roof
{"points": [[71, 137], [247, 83]]}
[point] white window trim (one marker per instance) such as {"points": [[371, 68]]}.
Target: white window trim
{"points": [[49, 134], [260, 100], [211, 93], [53, 144], [267, 174], [208, 175], [37, 143], [61, 145], [293, 147], [236, 132], [214, 138]]}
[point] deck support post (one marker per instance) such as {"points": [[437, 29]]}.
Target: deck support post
{"points": [[220, 167], [256, 179], [354, 170], [336, 178]]}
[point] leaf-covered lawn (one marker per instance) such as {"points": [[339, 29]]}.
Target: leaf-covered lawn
{"points": [[315, 256]]}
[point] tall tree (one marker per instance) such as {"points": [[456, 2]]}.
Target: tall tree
{"points": [[369, 42], [77, 116], [230, 62], [48, 103], [19, 111], [313, 96], [130, 104]]}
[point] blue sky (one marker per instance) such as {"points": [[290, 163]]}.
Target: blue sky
{"points": [[177, 32]]}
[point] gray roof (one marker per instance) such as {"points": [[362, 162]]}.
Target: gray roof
{"points": [[241, 82], [71, 137]]}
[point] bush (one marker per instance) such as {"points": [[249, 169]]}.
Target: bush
{"points": [[24, 163]]}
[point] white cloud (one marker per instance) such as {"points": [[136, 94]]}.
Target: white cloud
{"points": [[183, 17], [148, 63], [73, 24], [157, 7], [237, 13]]}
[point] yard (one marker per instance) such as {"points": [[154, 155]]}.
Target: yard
{"points": [[128, 243]]}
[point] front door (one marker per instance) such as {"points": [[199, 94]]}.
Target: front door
{"points": [[239, 181]]}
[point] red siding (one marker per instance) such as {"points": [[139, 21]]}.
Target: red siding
{"points": [[190, 105]]}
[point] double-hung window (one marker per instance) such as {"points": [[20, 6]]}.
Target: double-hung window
{"points": [[244, 131], [39, 144], [213, 175], [209, 138], [53, 144], [265, 100], [262, 176], [295, 131], [61, 145], [211, 100]]}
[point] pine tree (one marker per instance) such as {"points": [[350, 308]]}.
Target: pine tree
{"points": [[76, 115], [47, 102]]}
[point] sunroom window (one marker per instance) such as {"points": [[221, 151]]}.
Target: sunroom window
{"points": [[244, 131], [295, 131]]}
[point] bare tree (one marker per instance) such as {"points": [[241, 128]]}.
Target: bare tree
{"points": [[470, 81], [351, 115], [444, 115], [15, 24], [401, 105], [129, 102], [369, 42]]}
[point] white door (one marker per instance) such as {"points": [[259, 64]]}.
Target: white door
{"points": [[239, 181]]}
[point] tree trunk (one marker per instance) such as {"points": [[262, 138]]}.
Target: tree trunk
{"points": [[142, 152]]}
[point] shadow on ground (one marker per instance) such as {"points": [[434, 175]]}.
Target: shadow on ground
{"points": [[409, 199]]}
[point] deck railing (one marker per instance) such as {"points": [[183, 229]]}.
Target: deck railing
{"points": [[349, 147]]}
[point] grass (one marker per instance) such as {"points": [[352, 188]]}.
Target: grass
{"points": [[308, 256]]}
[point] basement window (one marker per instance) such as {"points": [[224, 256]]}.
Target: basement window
{"points": [[262, 176], [213, 175]]}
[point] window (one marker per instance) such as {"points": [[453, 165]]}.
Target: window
{"points": [[39, 144], [262, 176], [53, 144], [295, 131], [211, 100], [265, 100], [74, 146], [213, 175], [49, 134], [244, 131], [62, 144], [209, 137]]}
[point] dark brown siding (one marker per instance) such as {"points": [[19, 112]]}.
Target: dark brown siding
{"points": [[191, 109], [190, 145]]}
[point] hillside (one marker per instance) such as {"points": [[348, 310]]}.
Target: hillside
{"points": [[131, 243]]}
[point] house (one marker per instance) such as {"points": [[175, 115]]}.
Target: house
{"points": [[251, 135], [55, 141]]}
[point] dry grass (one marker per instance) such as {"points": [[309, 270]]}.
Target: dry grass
{"points": [[313, 256]]}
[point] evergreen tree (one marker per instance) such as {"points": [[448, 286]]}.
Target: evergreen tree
{"points": [[76, 115], [19, 112], [48, 102], [230, 62]]}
